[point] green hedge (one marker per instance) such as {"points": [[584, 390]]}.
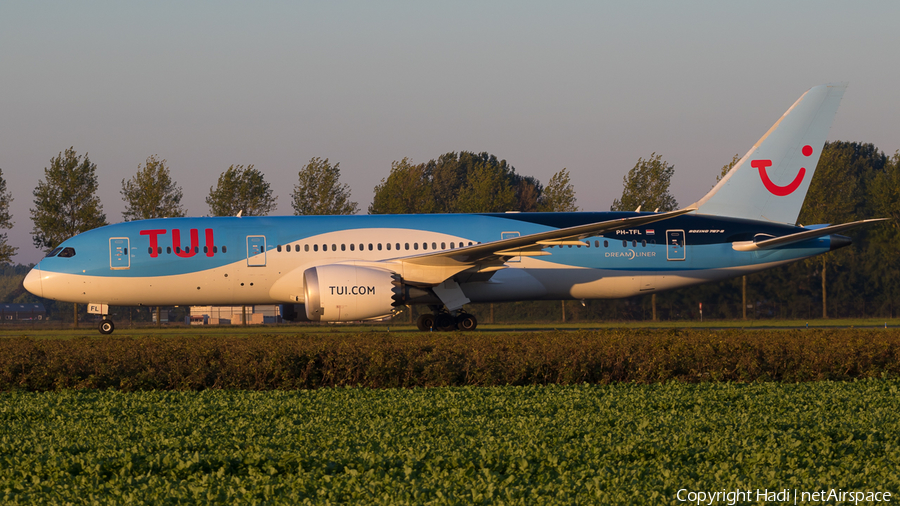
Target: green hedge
{"points": [[380, 360]]}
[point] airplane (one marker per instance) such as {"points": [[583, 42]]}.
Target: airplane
{"points": [[350, 268]]}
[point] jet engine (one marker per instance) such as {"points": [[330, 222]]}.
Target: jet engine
{"points": [[343, 292]]}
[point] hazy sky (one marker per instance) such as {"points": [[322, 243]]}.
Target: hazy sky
{"points": [[590, 86]]}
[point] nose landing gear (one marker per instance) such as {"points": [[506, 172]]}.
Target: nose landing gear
{"points": [[106, 326]]}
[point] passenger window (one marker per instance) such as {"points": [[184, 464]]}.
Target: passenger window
{"points": [[224, 249], [343, 247], [388, 246], [398, 246], [315, 247], [644, 243], [379, 246], [352, 247], [215, 249], [452, 246], [206, 249], [306, 247], [433, 246], [634, 244], [407, 245], [424, 245], [334, 247], [605, 244], [415, 246], [149, 250], [278, 248], [624, 244], [443, 245], [362, 247], [168, 250]]}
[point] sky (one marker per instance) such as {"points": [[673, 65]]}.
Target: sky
{"points": [[587, 86]]}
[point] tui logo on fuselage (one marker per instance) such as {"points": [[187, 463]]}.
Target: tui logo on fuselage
{"points": [[183, 252]]}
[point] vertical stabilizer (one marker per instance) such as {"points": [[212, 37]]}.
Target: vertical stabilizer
{"points": [[770, 182]]}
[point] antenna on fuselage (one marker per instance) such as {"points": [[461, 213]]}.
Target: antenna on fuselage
{"points": [[239, 213]]}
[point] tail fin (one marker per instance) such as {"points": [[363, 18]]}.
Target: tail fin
{"points": [[770, 182]]}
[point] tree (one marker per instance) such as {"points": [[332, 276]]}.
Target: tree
{"points": [[456, 183], [487, 190], [407, 190], [65, 203], [242, 190], [6, 251], [528, 193], [320, 190], [647, 186], [559, 194], [886, 191], [151, 193]]}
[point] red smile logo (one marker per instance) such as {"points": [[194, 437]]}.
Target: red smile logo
{"points": [[773, 188]]}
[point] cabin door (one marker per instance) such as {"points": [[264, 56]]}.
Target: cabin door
{"points": [[118, 253], [675, 245], [256, 251]]}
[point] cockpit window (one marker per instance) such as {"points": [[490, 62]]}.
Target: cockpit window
{"points": [[54, 252], [67, 253]]}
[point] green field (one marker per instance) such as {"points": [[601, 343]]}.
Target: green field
{"points": [[612, 444]]}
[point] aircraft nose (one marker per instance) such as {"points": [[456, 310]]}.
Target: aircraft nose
{"points": [[32, 282]]}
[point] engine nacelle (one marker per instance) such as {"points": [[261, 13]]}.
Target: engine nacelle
{"points": [[336, 293]]}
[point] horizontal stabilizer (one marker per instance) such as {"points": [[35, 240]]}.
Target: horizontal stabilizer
{"points": [[800, 236]]}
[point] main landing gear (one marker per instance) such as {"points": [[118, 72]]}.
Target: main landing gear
{"points": [[106, 326], [446, 322]]}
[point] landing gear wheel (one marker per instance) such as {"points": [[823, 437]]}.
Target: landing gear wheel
{"points": [[466, 322], [106, 326], [445, 322], [425, 322]]}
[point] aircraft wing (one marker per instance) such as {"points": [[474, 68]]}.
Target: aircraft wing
{"points": [[436, 267], [801, 236], [533, 244]]}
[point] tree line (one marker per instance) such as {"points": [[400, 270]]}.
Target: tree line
{"points": [[853, 181]]}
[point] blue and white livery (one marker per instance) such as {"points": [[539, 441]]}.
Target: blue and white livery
{"points": [[345, 268]]}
